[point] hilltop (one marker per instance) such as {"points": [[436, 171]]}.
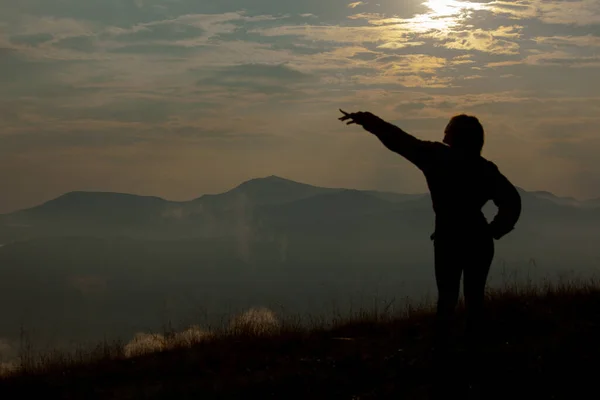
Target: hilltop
{"points": [[542, 344]]}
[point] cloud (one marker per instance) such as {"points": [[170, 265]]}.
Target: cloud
{"points": [[576, 12], [568, 41], [60, 27], [277, 72], [411, 64], [401, 45], [185, 27], [112, 12], [396, 33], [582, 12], [158, 50], [356, 4], [498, 41], [502, 64], [162, 31], [562, 58], [21, 73], [337, 34], [147, 111], [78, 43], [32, 39], [579, 130], [409, 106], [263, 78]]}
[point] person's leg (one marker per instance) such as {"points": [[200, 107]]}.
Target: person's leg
{"points": [[476, 270], [448, 270]]}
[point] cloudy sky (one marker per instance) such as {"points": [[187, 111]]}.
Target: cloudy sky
{"points": [[178, 98]]}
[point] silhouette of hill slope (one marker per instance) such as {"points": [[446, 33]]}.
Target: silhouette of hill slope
{"points": [[540, 344], [96, 207]]}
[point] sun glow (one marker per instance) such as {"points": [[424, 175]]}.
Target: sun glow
{"points": [[443, 15]]}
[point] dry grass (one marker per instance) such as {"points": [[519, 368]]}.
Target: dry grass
{"points": [[541, 338]]}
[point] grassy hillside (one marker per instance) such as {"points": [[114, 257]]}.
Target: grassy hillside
{"points": [[542, 344]]}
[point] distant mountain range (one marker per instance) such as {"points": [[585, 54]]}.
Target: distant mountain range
{"points": [[263, 205]]}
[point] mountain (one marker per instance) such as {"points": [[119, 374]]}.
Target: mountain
{"points": [[273, 190], [568, 201], [395, 197], [86, 213], [104, 213], [263, 205], [94, 205], [333, 205], [266, 191], [591, 203]]}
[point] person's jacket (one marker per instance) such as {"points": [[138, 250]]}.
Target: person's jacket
{"points": [[460, 183]]}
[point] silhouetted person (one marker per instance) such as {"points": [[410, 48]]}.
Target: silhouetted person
{"points": [[461, 182]]}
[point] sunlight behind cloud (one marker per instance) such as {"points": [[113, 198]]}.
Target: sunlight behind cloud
{"points": [[443, 15]]}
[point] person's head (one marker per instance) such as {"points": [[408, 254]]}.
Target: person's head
{"points": [[464, 132]]}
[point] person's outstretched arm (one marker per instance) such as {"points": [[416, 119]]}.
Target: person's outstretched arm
{"points": [[390, 135], [506, 197]]}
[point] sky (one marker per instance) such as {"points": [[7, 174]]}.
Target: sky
{"points": [[178, 98]]}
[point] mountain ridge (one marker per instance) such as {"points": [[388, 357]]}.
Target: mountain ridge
{"points": [[253, 186], [259, 208]]}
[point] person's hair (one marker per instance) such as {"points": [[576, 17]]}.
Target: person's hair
{"points": [[465, 132]]}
